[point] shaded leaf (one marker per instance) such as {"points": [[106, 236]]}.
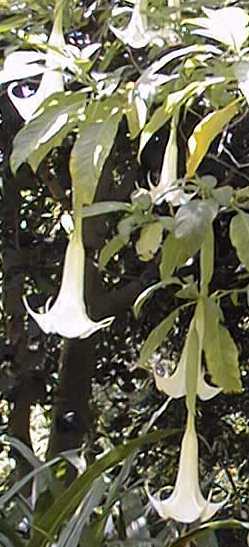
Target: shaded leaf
{"points": [[207, 259], [156, 337], [201, 531], [193, 219], [65, 505], [110, 249], [12, 22], [239, 235], [144, 296]]}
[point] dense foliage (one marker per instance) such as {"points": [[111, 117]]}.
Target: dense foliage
{"points": [[125, 259]]}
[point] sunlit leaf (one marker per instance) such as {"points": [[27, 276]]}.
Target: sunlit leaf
{"points": [[149, 240], [93, 145], [220, 350], [204, 134], [59, 114]]}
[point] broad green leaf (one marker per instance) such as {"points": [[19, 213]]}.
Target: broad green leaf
{"points": [[239, 235], [144, 296], [188, 292], [156, 337], [58, 116], [220, 351], [223, 195], [65, 505], [104, 207], [228, 25], [110, 249], [175, 252], [193, 219], [93, 146], [207, 259], [191, 223], [204, 134], [172, 103], [149, 240]]}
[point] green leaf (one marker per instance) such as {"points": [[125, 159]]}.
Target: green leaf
{"points": [[172, 103], [201, 531], [223, 195], [149, 240], [93, 145], [104, 207], [156, 337], [136, 113], [188, 292], [193, 219], [207, 259], [191, 223], [239, 235], [12, 22], [204, 134], [145, 295], [58, 116], [220, 350], [209, 539], [110, 249], [174, 253], [8, 537], [65, 505]]}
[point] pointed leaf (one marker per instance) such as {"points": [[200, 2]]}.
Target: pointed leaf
{"points": [[104, 207], [204, 134], [93, 145], [65, 505], [220, 351], [156, 337], [58, 115], [110, 249]]}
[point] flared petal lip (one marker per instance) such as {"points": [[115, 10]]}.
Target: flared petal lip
{"points": [[55, 321]]}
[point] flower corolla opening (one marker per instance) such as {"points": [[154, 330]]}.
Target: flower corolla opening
{"points": [[68, 316], [186, 503]]}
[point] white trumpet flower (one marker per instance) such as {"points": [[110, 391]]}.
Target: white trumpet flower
{"points": [[25, 64], [175, 385], [67, 316], [186, 503]]}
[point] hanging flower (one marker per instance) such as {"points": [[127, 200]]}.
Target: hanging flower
{"points": [[186, 503], [67, 316], [175, 385], [166, 189], [25, 64]]}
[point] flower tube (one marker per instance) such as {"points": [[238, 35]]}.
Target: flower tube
{"points": [[186, 503], [67, 316]]}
